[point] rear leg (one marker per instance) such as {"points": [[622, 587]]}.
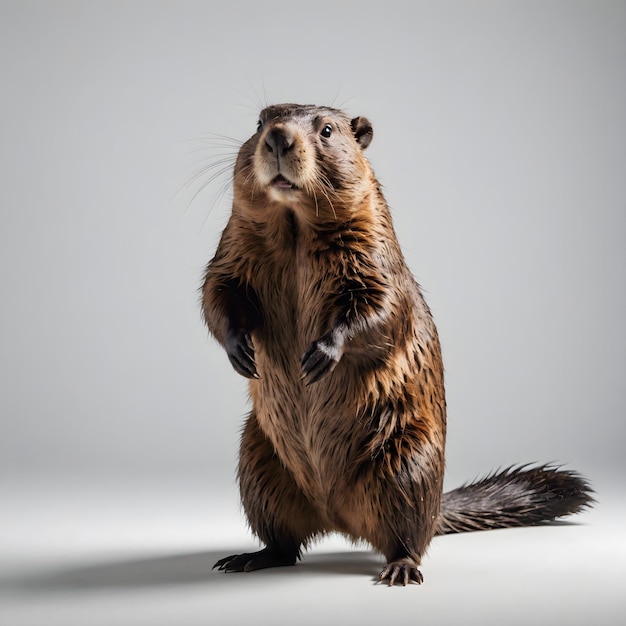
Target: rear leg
{"points": [[397, 517], [410, 511], [403, 555], [395, 507], [277, 510]]}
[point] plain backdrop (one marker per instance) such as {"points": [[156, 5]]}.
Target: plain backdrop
{"points": [[500, 142]]}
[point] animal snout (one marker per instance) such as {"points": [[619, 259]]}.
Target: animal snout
{"points": [[279, 140]]}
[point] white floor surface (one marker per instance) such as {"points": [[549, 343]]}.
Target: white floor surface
{"points": [[87, 555]]}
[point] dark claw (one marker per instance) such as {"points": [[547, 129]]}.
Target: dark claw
{"points": [[320, 359], [403, 570], [222, 563], [240, 352], [250, 561]]}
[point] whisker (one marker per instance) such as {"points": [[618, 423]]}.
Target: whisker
{"points": [[317, 206], [213, 164], [249, 176], [212, 137], [212, 178], [221, 167], [256, 102], [212, 150], [220, 194], [212, 167], [326, 192]]}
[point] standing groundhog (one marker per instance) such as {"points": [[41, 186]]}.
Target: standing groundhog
{"points": [[310, 295]]}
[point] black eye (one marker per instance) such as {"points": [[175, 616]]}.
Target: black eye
{"points": [[327, 131], [259, 126]]}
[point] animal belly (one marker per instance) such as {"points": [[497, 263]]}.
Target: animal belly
{"points": [[303, 437]]}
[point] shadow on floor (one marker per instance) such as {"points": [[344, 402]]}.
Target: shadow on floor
{"points": [[183, 570]]}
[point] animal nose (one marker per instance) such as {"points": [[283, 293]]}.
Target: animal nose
{"points": [[279, 140]]}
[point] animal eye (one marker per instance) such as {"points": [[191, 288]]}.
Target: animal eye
{"points": [[259, 126], [327, 131]]}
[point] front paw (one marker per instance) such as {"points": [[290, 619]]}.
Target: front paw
{"points": [[321, 358], [240, 352]]}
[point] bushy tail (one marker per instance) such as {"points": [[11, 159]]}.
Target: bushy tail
{"points": [[516, 496]]}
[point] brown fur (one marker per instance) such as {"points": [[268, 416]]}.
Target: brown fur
{"points": [[311, 297]]}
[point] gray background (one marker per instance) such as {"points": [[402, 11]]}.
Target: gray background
{"points": [[500, 141]]}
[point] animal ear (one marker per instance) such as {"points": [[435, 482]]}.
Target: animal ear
{"points": [[363, 131]]}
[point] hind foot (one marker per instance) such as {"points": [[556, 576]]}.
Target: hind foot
{"points": [[403, 571], [251, 561]]}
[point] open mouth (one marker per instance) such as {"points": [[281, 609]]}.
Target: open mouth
{"points": [[280, 182]]}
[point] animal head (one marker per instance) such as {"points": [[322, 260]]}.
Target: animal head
{"points": [[308, 158]]}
